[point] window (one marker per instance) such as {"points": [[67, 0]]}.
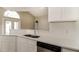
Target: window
{"points": [[12, 14], [11, 21]]}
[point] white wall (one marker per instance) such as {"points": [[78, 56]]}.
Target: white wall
{"points": [[1, 18], [27, 20], [43, 23], [65, 34]]}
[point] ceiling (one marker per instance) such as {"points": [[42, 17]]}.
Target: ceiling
{"points": [[36, 11]]}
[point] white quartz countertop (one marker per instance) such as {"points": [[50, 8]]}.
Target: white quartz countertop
{"points": [[50, 38], [65, 43]]}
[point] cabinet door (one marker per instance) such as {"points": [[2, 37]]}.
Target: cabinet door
{"points": [[26, 45], [70, 13], [7, 43]]}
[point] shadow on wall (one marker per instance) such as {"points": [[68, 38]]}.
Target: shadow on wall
{"points": [[27, 20], [1, 18]]}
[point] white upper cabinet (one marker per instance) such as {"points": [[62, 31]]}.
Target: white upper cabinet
{"points": [[63, 14], [54, 13]]}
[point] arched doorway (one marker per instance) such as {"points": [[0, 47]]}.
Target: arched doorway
{"points": [[11, 21]]}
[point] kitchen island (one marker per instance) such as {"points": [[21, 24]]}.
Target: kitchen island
{"points": [[68, 43], [21, 43]]}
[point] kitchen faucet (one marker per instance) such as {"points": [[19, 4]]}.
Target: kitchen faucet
{"points": [[36, 27]]}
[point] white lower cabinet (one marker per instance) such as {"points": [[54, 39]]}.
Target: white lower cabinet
{"points": [[17, 44], [7, 43], [26, 45]]}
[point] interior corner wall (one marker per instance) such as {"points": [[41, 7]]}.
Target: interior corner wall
{"points": [[27, 20]]}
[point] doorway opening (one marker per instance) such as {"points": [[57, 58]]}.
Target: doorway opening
{"points": [[11, 21]]}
